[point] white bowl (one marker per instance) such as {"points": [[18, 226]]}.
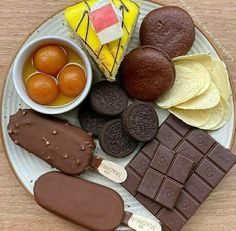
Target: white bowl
{"points": [[28, 51]]}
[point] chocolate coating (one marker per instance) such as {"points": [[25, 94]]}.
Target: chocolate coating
{"points": [[85, 203], [147, 73], [171, 28], [64, 146], [108, 98], [141, 121], [91, 121], [114, 141]]}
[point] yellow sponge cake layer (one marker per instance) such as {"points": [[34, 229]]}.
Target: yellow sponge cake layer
{"points": [[107, 56]]}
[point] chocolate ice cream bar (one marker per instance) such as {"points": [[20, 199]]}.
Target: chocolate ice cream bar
{"points": [[60, 144], [211, 163], [84, 203], [87, 204]]}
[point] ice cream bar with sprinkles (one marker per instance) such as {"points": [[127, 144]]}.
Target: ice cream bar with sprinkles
{"points": [[62, 145]]}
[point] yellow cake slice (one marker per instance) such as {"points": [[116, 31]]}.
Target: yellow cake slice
{"points": [[107, 56]]}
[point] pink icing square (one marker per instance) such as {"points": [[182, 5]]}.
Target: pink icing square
{"points": [[103, 18]]}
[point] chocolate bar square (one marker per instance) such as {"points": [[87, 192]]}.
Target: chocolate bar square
{"points": [[150, 204], [169, 193], [173, 218], [168, 137], [132, 182], [150, 183], [210, 173], [140, 163], [186, 204], [162, 159], [222, 157], [181, 168], [150, 148], [201, 140], [197, 188], [178, 125]]}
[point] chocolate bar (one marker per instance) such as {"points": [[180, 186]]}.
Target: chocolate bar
{"points": [[211, 163], [165, 176]]}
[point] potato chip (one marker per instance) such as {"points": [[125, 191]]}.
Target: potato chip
{"points": [[202, 58], [187, 84], [226, 114], [219, 76], [209, 119], [208, 99], [216, 116], [202, 73], [195, 118]]}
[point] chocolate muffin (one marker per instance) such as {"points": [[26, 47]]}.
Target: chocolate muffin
{"points": [[147, 73], [141, 121], [171, 28], [114, 140], [108, 98]]}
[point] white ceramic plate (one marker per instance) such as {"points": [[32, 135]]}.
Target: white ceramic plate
{"points": [[28, 167]]}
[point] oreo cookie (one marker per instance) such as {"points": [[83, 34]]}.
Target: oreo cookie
{"points": [[141, 121], [108, 98], [114, 140], [91, 121]]}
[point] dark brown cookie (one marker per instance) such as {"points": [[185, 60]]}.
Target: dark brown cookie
{"points": [[171, 28], [108, 98], [141, 121], [114, 140], [91, 121], [147, 73]]}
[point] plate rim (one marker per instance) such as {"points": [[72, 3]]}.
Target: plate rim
{"points": [[34, 29]]}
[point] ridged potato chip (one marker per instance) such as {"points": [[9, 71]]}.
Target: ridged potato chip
{"points": [[219, 76], [202, 73], [202, 58], [217, 113], [195, 118], [188, 83], [209, 99], [209, 119], [226, 114]]}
